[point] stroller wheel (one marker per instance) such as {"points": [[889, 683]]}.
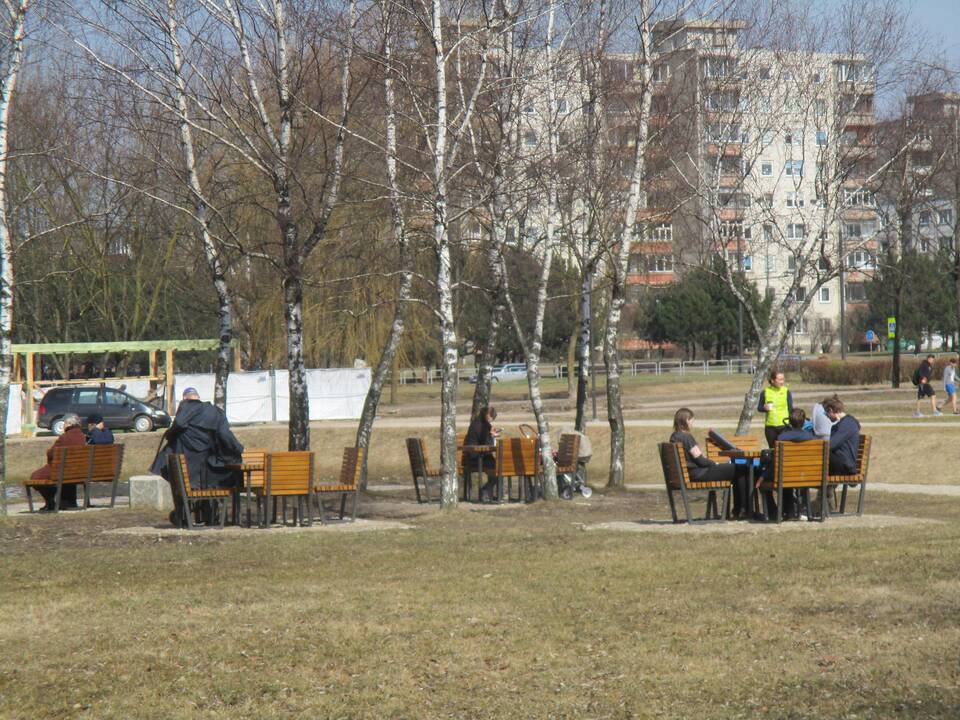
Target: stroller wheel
{"points": [[567, 493], [586, 490]]}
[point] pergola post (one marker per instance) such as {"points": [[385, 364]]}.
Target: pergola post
{"points": [[168, 374], [28, 405], [236, 359]]}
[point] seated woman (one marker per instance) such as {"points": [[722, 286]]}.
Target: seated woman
{"points": [[703, 469], [793, 433], [72, 437], [482, 432]]}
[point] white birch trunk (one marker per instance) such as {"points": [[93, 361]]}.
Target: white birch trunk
{"points": [[372, 401], [202, 216], [636, 198], [14, 50]]}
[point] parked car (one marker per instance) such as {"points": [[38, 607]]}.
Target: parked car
{"points": [[503, 373], [120, 410]]}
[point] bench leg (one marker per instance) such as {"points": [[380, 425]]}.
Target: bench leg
{"points": [[320, 509], [863, 492], [673, 507], [686, 503], [416, 489], [56, 497], [86, 496], [223, 512], [113, 491], [29, 498], [356, 499]]}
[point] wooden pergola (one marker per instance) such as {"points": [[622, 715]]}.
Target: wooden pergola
{"points": [[26, 358]]}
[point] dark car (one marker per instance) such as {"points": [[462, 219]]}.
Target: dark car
{"points": [[120, 411]]}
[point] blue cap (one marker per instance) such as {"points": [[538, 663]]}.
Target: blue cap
{"points": [[190, 391]]}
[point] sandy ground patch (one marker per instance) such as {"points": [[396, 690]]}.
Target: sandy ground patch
{"points": [[836, 522], [360, 525]]}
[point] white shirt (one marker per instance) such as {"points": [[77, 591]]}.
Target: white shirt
{"points": [[821, 423]]}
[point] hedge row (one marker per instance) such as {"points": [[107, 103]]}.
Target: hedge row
{"points": [[864, 372]]}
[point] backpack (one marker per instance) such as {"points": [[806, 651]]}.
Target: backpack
{"points": [[916, 376]]}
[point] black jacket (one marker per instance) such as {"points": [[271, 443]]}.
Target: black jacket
{"points": [[844, 446], [201, 432]]}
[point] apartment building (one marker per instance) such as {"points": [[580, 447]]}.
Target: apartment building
{"points": [[774, 153]]}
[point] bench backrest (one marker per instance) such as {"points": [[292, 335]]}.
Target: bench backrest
{"points": [[256, 456], [744, 442], [290, 473], [517, 457], [418, 461], [351, 467], [672, 461], [568, 453], [802, 464], [461, 441], [177, 465], [72, 463], [106, 462], [863, 456]]}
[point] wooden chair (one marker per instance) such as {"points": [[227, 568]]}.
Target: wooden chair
{"points": [[257, 479], [676, 477], [848, 481], [800, 466], [348, 484], [177, 466], [420, 470], [517, 458], [744, 442], [288, 474]]}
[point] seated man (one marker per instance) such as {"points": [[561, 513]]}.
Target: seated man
{"points": [[844, 438], [97, 431], [72, 436], [200, 431]]}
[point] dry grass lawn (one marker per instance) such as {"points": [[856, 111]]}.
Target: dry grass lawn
{"points": [[507, 613]]}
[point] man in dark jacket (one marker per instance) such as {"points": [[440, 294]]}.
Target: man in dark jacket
{"points": [[201, 432], [844, 438], [72, 437]]}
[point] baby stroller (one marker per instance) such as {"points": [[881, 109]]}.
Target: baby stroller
{"points": [[570, 483]]}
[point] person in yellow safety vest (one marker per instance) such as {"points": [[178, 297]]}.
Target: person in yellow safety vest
{"points": [[777, 402]]}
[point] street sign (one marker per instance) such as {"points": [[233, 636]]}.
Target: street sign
{"points": [[871, 336], [891, 327]]}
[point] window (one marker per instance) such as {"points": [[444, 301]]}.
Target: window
{"points": [[661, 73], [528, 109], [800, 294], [818, 77], [858, 197], [112, 397], [732, 229], [822, 263], [796, 231], [660, 263], [801, 327], [789, 137], [85, 397], [766, 168], [662, 232], [793, 168], [945, 217], [764, 72], [791, 263], [719, 101], [861, 259], [768, 237], [717, 67], [766, 138], [924, 218], [824, 294], [747, 260], [562, 106], [820, 107], [855, 292], [747, 263], [821, 137], [530, 139], [794, 199], [853, 230], [766, 200], [763, 104]]}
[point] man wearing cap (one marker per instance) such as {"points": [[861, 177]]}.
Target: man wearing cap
{"points": [[201, 432], [72, 437], [97, 432]]}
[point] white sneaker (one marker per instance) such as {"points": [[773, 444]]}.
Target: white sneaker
{"points": [[918, 414], [937, 413]]}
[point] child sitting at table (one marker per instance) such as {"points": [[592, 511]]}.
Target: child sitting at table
{"points": [[482, 433], [794, 433]]}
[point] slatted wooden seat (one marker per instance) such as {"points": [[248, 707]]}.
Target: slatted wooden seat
{"points": [[421, 470], [287, 474], [676, 477], [347, 485], [744, 442], [81, 465], [863, 464], [517, 458], [180, 472], [256, 479], [568, 454], [800, 466]]}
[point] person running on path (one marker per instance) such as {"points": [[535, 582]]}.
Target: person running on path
{"points": [[950, 385]]}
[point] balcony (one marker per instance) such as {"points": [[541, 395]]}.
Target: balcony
{"points": [[727, 149], [859, 119]]}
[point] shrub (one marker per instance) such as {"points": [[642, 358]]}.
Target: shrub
{"points": [[865, 372]]}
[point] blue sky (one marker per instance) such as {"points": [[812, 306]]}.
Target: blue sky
{"points": [[940, 21]]}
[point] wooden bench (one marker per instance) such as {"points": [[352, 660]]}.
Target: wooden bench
{"points": [[348, 484], [676, 476], [191, 496], [420, 470], [81, 465], [288, 474], [744, 442], [800, 466], [863, 464]]}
